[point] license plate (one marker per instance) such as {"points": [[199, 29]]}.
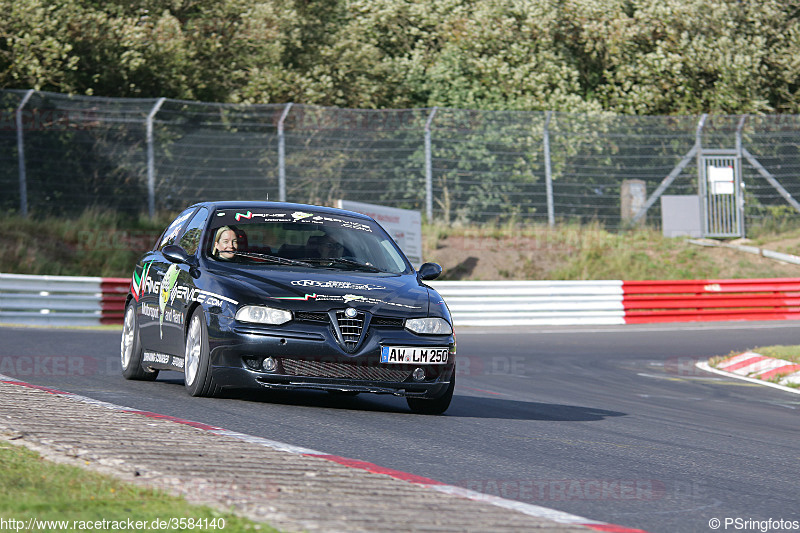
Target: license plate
{"points": [[414, 355]]}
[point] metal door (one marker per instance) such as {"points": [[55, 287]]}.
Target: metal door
{"points": [[721, 193]]}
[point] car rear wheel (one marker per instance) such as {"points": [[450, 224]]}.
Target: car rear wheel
{"points": [[435, 406], [131, 348], [198, 377]]}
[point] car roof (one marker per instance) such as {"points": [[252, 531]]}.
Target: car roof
{"points": [[232, 204]]}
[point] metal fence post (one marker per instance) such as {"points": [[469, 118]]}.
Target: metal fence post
{"points": [[740, 207], [151, 157], [739, 129], [23, 178], [429, 167], [702, 185], [282, 155], [548, 172]]}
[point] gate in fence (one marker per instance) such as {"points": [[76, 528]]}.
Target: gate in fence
{"points": [[720, 186]]}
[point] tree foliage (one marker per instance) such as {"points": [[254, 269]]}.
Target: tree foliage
{"points": [[624, 56]]}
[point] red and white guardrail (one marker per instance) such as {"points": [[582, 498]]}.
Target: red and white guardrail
{"points": [[85, 301], [520, 303], [62, 300]]}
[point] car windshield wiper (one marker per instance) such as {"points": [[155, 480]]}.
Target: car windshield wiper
{"points": [[273, 258], [331, 261]]}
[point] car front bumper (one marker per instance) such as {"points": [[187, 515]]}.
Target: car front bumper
{"points": [[241, 378], [308, 356]]}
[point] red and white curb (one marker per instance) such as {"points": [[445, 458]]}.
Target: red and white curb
{"points": [[756, 368], [526, 508]]}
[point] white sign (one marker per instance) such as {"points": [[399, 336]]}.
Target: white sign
{"points": [[404, 225], [721, 180]]}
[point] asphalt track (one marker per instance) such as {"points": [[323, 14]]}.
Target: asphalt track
{"points": [[610, 423]]}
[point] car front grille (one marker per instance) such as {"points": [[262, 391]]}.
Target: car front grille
{"points": [[349, 332], [350, 329], [384, 321], [328, 369]]}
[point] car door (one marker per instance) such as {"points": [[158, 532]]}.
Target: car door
{"points": [[155, 269], [178, 287]]}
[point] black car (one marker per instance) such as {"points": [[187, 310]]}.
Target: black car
{"points": [[287, 296]]}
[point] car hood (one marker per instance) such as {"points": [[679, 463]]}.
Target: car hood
{"points": [[324, 289]]}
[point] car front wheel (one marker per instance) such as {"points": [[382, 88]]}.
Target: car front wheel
{"points": [[198, 378], [435, 406], [131, 348]]}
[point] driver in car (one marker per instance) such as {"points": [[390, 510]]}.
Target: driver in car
{"points": [[225, 243]]}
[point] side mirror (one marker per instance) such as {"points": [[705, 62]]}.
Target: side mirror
{"points": [[176, 254], [429, 271]]}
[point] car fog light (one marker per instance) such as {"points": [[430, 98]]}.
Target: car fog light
{"points": [[418, 374], [269, 364]]}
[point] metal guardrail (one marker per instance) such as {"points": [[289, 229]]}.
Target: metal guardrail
{"points": [[86, 301], [533, 303], [62, 300]]}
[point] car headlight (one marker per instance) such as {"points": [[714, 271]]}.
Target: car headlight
{"points": [[259, 314], [429, 326]]}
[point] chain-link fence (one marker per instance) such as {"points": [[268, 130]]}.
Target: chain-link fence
{"points": [[60, 154]]}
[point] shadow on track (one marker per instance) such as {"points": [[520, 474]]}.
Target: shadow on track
{"points": [[462, 406], [497, 408]]}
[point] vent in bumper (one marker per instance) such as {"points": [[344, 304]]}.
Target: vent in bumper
{"points": [[327, 369], [387, 321], [310, 316]]}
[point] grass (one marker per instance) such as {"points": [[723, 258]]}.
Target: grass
{"points": [[587, 252], [640, 254], [786, 352], [98, 243], [789, 353], [31, 487]]}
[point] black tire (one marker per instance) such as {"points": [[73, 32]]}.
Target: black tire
{"points": [[198, 377], [435, 406], [130, 348]]}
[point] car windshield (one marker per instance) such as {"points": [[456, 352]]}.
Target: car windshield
{"points": [[276, 238]]}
